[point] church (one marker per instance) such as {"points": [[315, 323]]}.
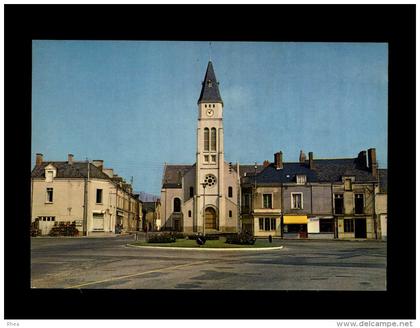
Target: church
{"points": [[203, 197], [327, 198]]}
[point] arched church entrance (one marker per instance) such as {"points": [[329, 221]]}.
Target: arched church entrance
{"points": [[211, 222]]}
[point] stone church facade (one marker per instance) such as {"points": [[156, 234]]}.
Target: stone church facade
{"points": [[203, 197], [341, 198]]}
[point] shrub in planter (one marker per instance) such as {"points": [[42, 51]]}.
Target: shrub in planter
{"points": [[161, 238], [178, 235], [212, 237], [241, 239], [208, 237]]}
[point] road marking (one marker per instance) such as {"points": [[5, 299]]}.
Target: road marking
{"points": [[137, 274]]}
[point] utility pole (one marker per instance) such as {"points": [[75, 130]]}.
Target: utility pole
{"points": [[86, 200]]}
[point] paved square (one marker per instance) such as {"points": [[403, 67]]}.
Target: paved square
{"points": [[300, 265]]}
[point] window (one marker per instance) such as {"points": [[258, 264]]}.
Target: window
{"points": [[98, 196], [297, 201], [338, 204], [46, 218], [230, 192], [230, 214], [49, 176], [347, 184], [213, 158], [273, 224], [206, 158], [358, 204], [301, 179], [326, 225], [267, 224], [177, 205], [189, 214], [210, 179], [213, 139], [50, 195], [191, 191], [206, 140], [267, 201], [348, 225]]}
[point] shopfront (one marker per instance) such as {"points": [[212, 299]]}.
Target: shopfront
{"points": [[295, 226]]}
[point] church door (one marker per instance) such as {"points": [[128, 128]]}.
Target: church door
{"points": [[210, 218]]}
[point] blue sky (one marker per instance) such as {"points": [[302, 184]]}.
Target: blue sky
{"points": [[134, 104]]}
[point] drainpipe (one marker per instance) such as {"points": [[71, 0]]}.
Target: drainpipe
{"points": [[282, 210], [375, 224], [85, 203], [332, 212]]}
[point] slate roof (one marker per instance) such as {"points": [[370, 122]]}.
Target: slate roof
{"points": [[210, 88], [66, 170], [249, 169], [326, 170], [383, 180], [172, 175]]}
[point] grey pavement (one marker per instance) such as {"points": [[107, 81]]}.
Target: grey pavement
{"points": [[299, 265]]}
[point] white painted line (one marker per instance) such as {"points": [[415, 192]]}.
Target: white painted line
{"points": [[137, 274], [210, 249]]}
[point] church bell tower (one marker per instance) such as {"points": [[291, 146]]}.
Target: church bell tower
{"points": [[210, 157]]}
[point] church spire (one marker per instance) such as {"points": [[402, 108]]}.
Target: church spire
{"points": [[210, 87]]}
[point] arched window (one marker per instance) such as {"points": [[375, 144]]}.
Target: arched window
{"points": [[191, 191], [206, 139], [177, 205], [230, 192], [189, 214], [230, 214], [213, 139]]}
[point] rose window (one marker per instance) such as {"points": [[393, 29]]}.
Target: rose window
{"points": [[210, 180]]}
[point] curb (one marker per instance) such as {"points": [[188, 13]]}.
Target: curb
{"points": [[210, 249]]}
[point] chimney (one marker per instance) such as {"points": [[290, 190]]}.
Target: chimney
{"points": [[311, 160], [39, 159], [99, 163], [278, 160], [373, 164], [70, 158], [266, 163], [361, 159], [302, 157]]}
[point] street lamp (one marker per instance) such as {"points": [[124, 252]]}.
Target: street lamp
{"points": [[255, 175], [204, 184]]}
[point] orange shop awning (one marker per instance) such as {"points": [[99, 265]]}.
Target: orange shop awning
{"points": [[295, 219]]}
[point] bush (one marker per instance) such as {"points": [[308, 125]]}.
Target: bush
{"points": [[64, 229], [178, 235], [241, 239], [161, 238], [212, 237], [208, 237]]}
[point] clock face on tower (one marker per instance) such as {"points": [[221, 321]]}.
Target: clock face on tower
{"points": [[210, 112]]}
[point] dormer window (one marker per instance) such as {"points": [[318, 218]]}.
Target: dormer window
{"points": [[49, 176], [300, 179], [348, 181], [50, 173], [209, 83]]}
